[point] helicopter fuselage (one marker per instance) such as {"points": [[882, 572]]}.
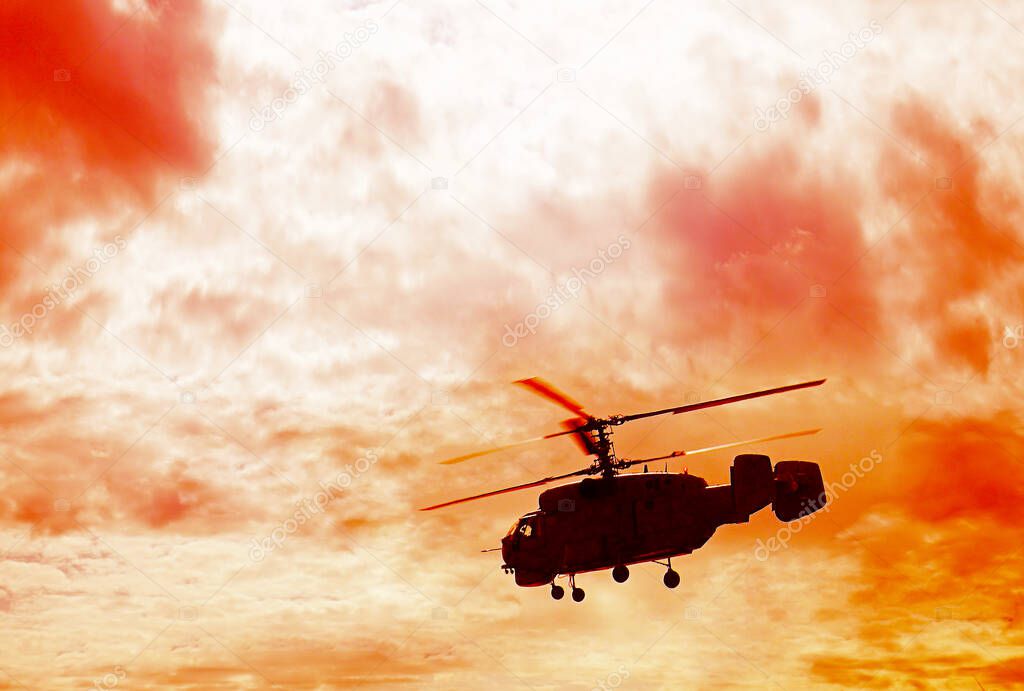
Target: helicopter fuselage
{"points": [[601, 523]]}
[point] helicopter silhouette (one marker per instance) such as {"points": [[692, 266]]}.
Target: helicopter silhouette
{"points": [[615, 520]]}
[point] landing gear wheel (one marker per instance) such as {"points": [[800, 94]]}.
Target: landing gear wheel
{"points": [[620, 573], [671, 578], [557, 591], [578, 594]]}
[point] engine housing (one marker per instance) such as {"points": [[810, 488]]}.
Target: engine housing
{"points": [[799, 490]]}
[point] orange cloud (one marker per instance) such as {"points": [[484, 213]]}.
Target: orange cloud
{"points": [[963, 468], [958, 240]]}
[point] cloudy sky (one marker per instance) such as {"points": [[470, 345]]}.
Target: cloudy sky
{"points": [[250, 250]]}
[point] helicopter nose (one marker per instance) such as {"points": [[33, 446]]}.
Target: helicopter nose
{"points": [[508, 553]]}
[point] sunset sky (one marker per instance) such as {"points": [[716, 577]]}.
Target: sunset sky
{"points": [[249, 250]]}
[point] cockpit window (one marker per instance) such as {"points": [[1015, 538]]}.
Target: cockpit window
{"points": [[525, 527]]}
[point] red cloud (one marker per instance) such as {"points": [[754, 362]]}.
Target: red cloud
{"points": [[762, 235], [775, 226], [96, 106]]}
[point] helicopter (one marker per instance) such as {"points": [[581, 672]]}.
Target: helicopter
{"points": [[614, 520]]}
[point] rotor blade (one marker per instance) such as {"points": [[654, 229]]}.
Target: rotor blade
{"points": [[538, 483], [546, 389], [719, 447], [582, 438], [495, 449], [719, 401]]}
